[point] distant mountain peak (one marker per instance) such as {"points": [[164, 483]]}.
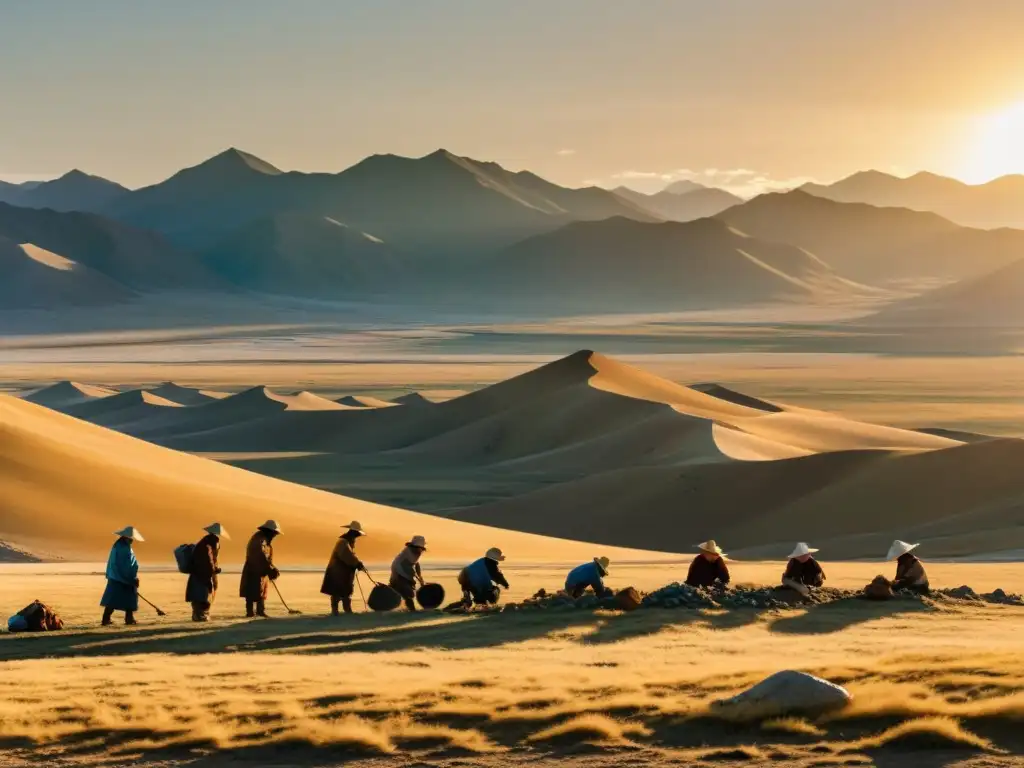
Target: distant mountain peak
{"points": [[683, 186], [234, 158]]}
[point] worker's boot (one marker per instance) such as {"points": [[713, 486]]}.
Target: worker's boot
{"points": [[129, 618], [410, 604], [261, 609], [346, 604], [249, 614], [334, 607], [107, 614]]}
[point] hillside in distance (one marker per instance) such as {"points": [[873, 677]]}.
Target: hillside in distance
{"points": [[876, 245], [437, 204], [684, 205], [74, 191], [34, 278], [619, 264], [134, 258], [305, 255], [992, 300], [997, 203]]}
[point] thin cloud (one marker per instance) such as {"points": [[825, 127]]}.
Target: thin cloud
{"points": [[566, 152]]}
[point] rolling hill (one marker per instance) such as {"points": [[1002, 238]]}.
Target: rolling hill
{"points": [[997, 203], [873, 244], [74, 191], [620, 264], [134, 258]]}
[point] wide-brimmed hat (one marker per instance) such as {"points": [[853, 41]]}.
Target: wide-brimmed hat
{"points": [[495, 554], [130, 532], [802, 549], [355, 526], [218, 530], [603, 563], [711, 546], [899, 548], [417, 541], [271, 525]]}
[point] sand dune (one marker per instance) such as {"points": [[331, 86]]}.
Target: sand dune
{"points": [[415, 398], [65, 485], [64, 394], [187, 395], [122, 409], [364, 401]]}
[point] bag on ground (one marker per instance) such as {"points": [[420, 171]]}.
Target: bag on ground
{"points": [[383, 598], [430, 596], [35, 617], [183, 557], [628, 599]]}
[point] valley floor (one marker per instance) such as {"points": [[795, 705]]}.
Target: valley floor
{"points": [[934, 684]]}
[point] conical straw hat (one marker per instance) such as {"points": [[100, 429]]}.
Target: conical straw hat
{"points": [[603, 563], [802, 549], [355, 526], [495, 554], [216, 529], [271, 525], [130, 532], [711, 546], [899, 548]]}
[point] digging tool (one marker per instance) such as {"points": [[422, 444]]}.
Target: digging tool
{"points": [[363, 596], [291, 611], [153, 606]]}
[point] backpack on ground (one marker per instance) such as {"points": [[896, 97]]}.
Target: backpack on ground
{"points": [[183, 557], [35, 617]]}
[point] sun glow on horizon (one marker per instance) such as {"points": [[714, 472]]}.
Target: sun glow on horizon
{"points": [[997, 148]]}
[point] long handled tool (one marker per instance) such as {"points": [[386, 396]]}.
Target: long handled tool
{"points": [[359, 584], [292, 611], [154, 607]]}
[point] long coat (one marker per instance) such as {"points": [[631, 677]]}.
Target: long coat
{"points": [[340, 574], [258, 568], [122, 571], [202, 579]]}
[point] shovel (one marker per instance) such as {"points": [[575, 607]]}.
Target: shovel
{"points": [[154, 607], [291, 611]]}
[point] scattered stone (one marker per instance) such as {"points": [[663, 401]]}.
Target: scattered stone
{"points": [[784, 693], [961, 593]]}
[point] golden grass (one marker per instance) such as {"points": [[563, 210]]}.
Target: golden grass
{"points": [[591, 728], [939, 732], [795, 725]]}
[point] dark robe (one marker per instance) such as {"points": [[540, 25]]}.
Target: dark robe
{"points": [[259, 567], [340, 574], [910, 574], [202, 579], [810, 574], [704, 573]]}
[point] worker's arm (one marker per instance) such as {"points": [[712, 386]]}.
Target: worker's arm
{"points": [[418, 572], [723, 571], [495, 573]]}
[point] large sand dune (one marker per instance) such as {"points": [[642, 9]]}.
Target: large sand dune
{"points": [[65, 485]]}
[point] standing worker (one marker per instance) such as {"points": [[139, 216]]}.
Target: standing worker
{"points": [[340, 575], [201, 589], [803, 572], [709, 566], [122, 592], [259, 569], [406, 572], [481, 580], [590, 575]]}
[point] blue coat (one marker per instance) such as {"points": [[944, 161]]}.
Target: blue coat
{"points": [[586, 575], [122, 570], [479, 575]]}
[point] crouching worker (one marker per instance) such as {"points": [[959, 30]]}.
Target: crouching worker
{"points": [[340, 575], [122, 592], [201, 589], [481, 580], [259, 569], [590, 575], [803, 573], [708, 567], [910, 573], [405, 571]]}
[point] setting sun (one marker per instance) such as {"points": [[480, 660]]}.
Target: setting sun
{"points": [[998, 145]]}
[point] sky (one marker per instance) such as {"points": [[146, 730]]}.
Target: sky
{"points": [[747, 94]]}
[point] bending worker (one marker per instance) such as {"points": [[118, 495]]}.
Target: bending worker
{"points": [[340, 574], [259, 569], [590, 575], [481, 580], [405, 571], [802, 571]]}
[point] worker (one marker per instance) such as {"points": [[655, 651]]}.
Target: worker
{"points": [[708, 567], [803, 573], [340, 574], [481, 580], [259, 569], [590, 575], [910, 573], [201, 589], [406, 572], [122, 592]]}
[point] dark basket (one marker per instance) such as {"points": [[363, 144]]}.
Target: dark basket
{"points": [[430, 596], [383, 598]]}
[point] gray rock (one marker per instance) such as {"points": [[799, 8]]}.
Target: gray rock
{"points": [[786, 692]]}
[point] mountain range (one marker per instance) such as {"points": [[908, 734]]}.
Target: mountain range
{"points": [[74, 191], [998, 203], [684, 205]]}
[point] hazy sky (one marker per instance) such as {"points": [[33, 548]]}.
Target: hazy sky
{"points": [[577, 90]]}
